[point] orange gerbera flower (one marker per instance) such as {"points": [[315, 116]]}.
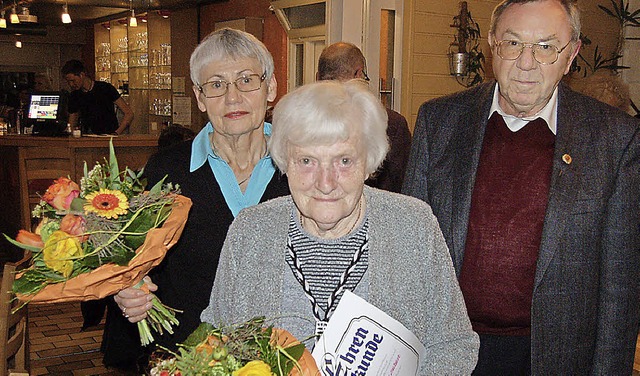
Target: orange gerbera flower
{"points": [[107, 203]]}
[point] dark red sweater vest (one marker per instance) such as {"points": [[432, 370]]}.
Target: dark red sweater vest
{"points": [[505, 226]]}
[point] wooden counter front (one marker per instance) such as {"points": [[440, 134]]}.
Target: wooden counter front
{"points": [[30, 164]]}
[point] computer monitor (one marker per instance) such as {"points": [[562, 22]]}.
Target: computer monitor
{"points": [[47, 113]]}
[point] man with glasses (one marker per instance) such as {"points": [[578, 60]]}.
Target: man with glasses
{"points": [[344, 61], [537, 191]]}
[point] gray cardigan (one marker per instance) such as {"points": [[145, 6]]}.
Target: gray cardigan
{"points": [[410, 277]]}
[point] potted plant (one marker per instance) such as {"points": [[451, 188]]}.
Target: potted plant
{"points": [[465, 56]]}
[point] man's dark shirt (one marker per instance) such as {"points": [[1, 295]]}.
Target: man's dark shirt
{"points": [[390, 175], [95, 107]]}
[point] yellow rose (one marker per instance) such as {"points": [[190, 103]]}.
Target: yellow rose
{"points": [[254, 368], [59, 250]]}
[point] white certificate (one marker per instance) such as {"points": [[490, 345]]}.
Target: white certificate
{"points": [[360, 339]]}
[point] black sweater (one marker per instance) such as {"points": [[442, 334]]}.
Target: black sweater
{"points": [[186, 275]]}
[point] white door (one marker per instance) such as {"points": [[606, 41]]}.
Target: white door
{"points": [[382, 46], [303, 60]]}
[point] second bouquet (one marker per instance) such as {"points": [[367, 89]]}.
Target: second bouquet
{"points": [[99, 237]]}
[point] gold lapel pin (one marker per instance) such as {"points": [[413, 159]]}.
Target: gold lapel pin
{"points": [[566, 158]]}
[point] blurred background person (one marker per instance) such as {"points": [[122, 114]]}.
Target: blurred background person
{"points": [[42, 82], [605, 86], [224, 169], [174, 134], [344, 61], [91, 103], [291, 258]]}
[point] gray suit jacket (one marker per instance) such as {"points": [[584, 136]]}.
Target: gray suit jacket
{"points": [[585, 308]]}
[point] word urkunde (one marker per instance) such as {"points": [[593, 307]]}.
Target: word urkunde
{"points": [[360, 348]]}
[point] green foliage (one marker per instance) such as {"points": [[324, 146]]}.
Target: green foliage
{"points": [[620, 11], [200, 334], [220, 351], [476, 66], [598, 62], [468, 42]]}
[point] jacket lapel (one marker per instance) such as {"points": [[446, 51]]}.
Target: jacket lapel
{"points": [[565, 178], [468, 144]]}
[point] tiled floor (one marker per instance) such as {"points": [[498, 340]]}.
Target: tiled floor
{"points": [[59, 348]]}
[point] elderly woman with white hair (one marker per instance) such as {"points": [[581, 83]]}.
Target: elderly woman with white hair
{"points": [[292, 257]]}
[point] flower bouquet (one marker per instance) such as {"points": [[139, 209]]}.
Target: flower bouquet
{"points": [[248, 349], [100, 237]]}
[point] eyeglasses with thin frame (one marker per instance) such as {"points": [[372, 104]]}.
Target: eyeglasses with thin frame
{"points": [[364, 73], [244, 83], [545, 54]]}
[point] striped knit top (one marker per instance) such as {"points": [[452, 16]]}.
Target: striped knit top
{"points": [[326, 267]]}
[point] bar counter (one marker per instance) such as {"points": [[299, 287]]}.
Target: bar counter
{"points": [[31, 163]]}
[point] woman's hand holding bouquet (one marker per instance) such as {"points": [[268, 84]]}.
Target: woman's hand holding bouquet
{"points": [[135, 303], [101, 236]]}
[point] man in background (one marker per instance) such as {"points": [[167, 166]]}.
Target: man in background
{"points": [[92, 102], [42, 82], [537, 191], [344, 61]]}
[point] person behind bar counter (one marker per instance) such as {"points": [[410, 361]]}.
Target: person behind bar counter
{"points": [[92, 102]]}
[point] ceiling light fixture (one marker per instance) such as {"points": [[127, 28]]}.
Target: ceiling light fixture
{"points": [[133, 21], [66, 18], [14, 15], [3, 21]]}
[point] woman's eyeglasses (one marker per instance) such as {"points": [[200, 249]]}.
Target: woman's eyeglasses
{"points": [[218, 88]]}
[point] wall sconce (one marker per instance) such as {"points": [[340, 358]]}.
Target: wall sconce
{"points": [[465, 56], [3, 21], [66, 18], [14, 16], [18, 44]]}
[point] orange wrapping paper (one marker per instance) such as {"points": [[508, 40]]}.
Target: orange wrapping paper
{"points": [[110, 278], [306, 361]]}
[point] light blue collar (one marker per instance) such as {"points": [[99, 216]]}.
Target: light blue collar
{"points": [[202, 151]]}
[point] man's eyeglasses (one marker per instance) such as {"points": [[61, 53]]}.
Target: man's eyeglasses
{"points": [[218, 88], [543, 53], [364, 73]]}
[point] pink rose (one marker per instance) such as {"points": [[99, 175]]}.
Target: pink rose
{"points": [[29, 238], [61, 193], [74, 225]]}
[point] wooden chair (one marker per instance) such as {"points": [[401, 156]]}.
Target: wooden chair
{"points": [[14, 327], [37, 171]]}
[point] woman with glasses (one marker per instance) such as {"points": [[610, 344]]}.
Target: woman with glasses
{"points": [[225, 169]]}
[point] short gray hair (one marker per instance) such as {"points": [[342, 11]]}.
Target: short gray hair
{"points": [[229, 44], [570, 6], [326, 112]]}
